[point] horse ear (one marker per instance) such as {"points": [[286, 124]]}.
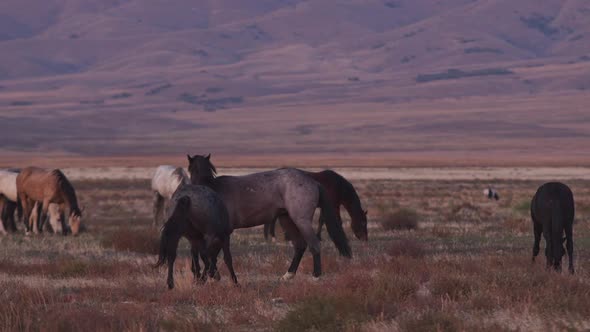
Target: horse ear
{"points": [[188, 156], [208, 156], [365, 212]]}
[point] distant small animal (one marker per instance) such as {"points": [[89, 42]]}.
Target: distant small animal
{"points": [[47, 186], [287, 194], [552, 212], [198, 214], [164, 183], [491, 193], [340, 193]]}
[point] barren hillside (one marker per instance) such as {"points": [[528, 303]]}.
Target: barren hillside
{"points": [[476, 79]]}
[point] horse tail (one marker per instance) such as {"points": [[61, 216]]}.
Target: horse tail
{"points": [[172, 230], [557, 231], [335, 229]]}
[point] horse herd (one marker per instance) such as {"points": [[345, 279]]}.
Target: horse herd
{"points": [[206, 208]]}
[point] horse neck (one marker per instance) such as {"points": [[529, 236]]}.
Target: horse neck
{"points": [[204, 180], [352, 203], [354, 209], [70, 199]]}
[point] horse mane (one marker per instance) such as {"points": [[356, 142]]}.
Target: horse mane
{"points": [[212, 170], [207, 173], [68, 190], [181, 176], [351, 198]]}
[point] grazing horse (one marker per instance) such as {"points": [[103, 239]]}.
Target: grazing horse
{"points": [[197, 213], [164, 183], [286, 193], [552, 212], [39, 185], [8, 198], [7, 208], [340, 192]]}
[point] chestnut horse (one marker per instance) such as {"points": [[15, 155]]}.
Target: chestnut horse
{"points": [[47, 186]]}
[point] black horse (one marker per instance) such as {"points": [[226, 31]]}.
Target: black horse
{"points": [[198, 214], [340, 192], [552, 211]]}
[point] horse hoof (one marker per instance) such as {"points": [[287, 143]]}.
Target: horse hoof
{"points": [[288, 276], [571, 269], [217, 276], [273, 239], [315, 279], [170, 285]]}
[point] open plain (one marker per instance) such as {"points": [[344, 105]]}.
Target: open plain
{"points": [[440, 256]]}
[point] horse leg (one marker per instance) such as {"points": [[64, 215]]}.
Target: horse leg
{"points": [[195, 266], [537, 230], [43, 214], [158, 204], [320, 225], [26, 212], [313, 243], [10, 208], [213, 248], [228, 260], [321, 221], [3, 214], [548, 248], [269, 229], [570, 246], [64, 226], [298, 242], [266, 230]]}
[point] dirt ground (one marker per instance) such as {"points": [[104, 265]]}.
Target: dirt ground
{"points": [[440, 256]]}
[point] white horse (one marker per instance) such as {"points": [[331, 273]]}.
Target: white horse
{"points": [[164, 183], [9, 197]]}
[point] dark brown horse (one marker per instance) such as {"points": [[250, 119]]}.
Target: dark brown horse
{"points": [[38, 185], [287, 194], [7, 208], [198, 214], [552, 212], [341, 193]]}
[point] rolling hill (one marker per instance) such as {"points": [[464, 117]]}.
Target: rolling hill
{"points": [[458, 81]]}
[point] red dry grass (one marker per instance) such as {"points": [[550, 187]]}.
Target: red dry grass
{"points": [[144, 241]]}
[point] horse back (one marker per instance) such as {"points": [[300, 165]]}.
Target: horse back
{"points": [[36, 183], [8, 184], [208, 213], [259, 198], [551, 196], [167, 179]]}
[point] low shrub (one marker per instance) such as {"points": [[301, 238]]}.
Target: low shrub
{"points": [[402, 218]]}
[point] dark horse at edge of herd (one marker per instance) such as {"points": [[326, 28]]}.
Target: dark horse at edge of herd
{"points": [[340, 192], [286, 194], [552, 212], [199, 214]]}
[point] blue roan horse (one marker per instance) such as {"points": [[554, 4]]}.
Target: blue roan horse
{"points": [[287, 194]]}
